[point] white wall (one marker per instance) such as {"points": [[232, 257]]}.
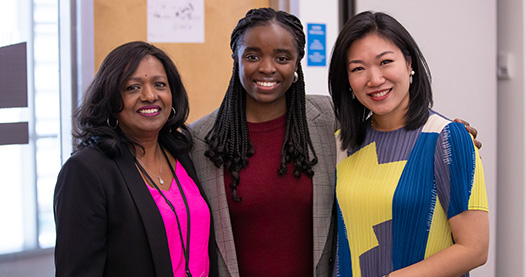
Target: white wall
{"points": [[319, 12], [85, 47], [511, 219]]}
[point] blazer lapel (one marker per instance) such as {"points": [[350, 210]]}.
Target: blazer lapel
{"points": [[150, 215], [212, 181], [224, 234], [322, 137]]}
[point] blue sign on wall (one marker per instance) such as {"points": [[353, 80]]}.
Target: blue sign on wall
{"points": [[316, 45]]}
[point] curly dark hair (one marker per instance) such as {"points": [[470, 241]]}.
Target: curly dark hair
{"points": [[103, 100], [350, 112], [228, 139]]}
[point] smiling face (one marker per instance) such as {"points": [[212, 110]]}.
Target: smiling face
{"points": [[147, 100], [267, 57], [379, 76]]}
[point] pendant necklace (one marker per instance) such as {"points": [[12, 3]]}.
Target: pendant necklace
{"points": [[185, 248], [161, 170], [161, 181]]}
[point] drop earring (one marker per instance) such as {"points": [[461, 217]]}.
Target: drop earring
{"points": [[411, 77], [352, 93]]}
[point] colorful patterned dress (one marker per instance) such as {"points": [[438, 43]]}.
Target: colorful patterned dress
{"points": [[396, 193]]}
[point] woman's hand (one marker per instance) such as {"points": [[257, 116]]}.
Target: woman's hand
{"points": [[472, 131]]}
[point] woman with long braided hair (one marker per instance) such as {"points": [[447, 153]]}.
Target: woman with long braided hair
{"points": [[266, 157]]}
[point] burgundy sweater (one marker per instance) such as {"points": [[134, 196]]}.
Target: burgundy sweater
{"points": [[272, 224]]}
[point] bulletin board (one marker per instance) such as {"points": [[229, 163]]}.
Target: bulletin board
{"points": [[205, 67]]}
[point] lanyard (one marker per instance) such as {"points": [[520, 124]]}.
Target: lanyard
{"points": [[186, 250]]}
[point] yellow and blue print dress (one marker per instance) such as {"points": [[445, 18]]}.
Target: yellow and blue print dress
{"points": [[397, 191]]}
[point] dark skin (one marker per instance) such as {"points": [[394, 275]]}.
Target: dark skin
{"points": [[472, 131]]}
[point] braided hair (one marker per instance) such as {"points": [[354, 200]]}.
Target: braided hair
{"points": [[228, 141]]}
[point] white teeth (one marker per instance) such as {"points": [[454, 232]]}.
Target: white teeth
{"points": [[380, 94], [148, 111], [266, 84]]}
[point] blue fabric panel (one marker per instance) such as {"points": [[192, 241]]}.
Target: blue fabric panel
{"points": [[462, 160], [413, 204], [344, 264]]}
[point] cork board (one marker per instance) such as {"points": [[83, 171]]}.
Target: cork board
{"points": [[205, 67]]}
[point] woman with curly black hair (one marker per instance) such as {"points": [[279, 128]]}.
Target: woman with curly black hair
{"points": [[128, 202]]}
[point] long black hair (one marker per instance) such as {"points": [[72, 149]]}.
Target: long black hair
{"points": [[350, 112], [228, 141], [103, 100]]}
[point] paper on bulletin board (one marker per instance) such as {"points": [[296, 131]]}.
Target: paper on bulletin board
{"points": [[177, 21]]}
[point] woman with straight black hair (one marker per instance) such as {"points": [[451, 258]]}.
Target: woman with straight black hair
{"points": [[410, 191], [128, 202], [354, 114]]}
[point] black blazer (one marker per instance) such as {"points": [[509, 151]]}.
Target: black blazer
{"points": [[107, 223]]}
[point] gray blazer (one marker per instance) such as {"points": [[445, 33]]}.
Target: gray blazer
{"points": [[322, 125]]}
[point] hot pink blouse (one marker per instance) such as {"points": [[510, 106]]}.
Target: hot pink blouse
{"points": [[199, 224]]}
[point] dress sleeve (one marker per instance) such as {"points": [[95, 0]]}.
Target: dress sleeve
{"points": [[458, 172], [81, 220]]}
